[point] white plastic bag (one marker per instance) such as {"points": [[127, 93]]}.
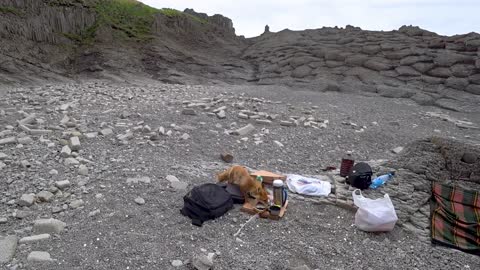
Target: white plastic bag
{"points": [[308, 186], [374, 215]]}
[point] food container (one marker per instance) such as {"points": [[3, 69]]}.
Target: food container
{"points": [[279, 193]]}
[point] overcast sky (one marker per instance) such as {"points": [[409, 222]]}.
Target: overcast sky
{"points": [[446, 17]]}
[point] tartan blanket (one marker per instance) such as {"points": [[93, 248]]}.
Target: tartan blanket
{"points": [[455, 217]]}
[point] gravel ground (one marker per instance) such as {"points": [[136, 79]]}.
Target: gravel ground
{"points": [[107, 228]]}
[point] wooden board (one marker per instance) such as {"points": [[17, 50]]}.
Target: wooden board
{"points": [[249, 209], [268, 177]]}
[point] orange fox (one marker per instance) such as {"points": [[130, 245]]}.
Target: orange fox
{"points": [[251, 188]]}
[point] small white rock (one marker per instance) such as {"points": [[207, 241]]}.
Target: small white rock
{"points": [[39, 256], [34, 238], [177, 263], [140, 201], [397, 150], [75, 143], [26, 199], [278, 143], [83, 170], [62, 184]]}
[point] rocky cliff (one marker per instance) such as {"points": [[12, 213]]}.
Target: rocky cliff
{"points": [[68, 39]]}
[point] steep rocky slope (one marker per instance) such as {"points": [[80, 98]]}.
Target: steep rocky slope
{"points": [[91, 38], [123, 39]]}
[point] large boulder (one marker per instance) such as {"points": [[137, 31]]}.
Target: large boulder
{"points": [[334, 56], [456, 83], [301, 72], [432, 80], [461, 70], [423, 67], [410, 60], [441, 72], [422, 98], [407, 71], [473, 88], [472, 44], [394, 92], [371, 49], [475, 79], [356, 60], [397, 55], [377, 64], [448, 59], [300, 61]]}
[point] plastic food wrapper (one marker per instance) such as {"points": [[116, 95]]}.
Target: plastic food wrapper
{"points": [[374, 215], [308, 186]]}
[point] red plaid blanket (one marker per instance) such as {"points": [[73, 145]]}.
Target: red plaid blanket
{"points": [[455, 217]]}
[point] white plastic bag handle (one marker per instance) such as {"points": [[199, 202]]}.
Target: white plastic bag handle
{"points": [[358, 200]]}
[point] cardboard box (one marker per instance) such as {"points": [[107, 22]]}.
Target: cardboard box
{"points": [[268, 177]]}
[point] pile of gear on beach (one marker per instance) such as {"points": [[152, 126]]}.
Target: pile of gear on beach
{"points": [[455, 213]]}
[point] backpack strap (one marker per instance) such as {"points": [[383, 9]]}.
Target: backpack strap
{"points": [[197, 222]]}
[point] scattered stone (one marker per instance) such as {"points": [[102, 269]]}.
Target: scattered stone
{"points": [[53, 172], [244, 130], [263, 121], [71, 161], [83, 170], [39, 256], [62, 184], [50, 225], [76, 204], [3, 156], [189, 111], [202, 262], [177, 263], [242, 116], [94, 213], [25, 140], [106, 132], [172, 178], [8, 245], [220, 109], [2, 165], [397, 150], [9, 140], [45, 196], [34, 238], [287, 123], [278, 143], [137, 180], [146, 129], [139, 201], [178, 185], [185, 136], [75, 143], [221, 114], [26, 200], [469, 158], [228, 158], [91, 135], [25, 164]]}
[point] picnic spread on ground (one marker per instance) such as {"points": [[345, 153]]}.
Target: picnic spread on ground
{"points": [[454, 218]]}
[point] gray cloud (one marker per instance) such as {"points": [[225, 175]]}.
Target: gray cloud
{"points": [[446, 17]]}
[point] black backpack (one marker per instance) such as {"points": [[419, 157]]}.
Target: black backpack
{"points": [[234, 191], [360, 176], [205, 202]]}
